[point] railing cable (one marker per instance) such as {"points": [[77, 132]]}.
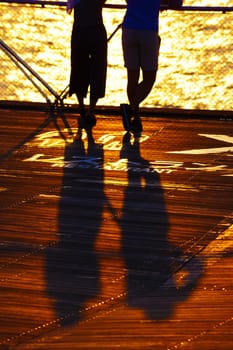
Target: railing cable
{"points": [[44, 3]]}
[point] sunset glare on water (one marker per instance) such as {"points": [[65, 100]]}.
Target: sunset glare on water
{"points": [[116, 237], [195, 64]]}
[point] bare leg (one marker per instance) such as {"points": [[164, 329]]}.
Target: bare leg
{"points": [[132, 86], [145, 86], [88, 116], [92, 105], [80, 102], [137, 92]]}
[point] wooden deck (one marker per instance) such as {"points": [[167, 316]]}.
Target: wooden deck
{"points": [[114, 242]]}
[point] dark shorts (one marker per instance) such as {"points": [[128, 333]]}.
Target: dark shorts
{"points": [[88, 61], [140, 49]]}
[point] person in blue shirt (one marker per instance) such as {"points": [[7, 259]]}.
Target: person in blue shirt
{"points": [[140, 44], [88, 55]]}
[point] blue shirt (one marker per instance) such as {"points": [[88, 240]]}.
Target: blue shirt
{"points": [[142, 15]]}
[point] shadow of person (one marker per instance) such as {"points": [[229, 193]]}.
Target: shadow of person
{"points": [[72, 266], [149, 257]]}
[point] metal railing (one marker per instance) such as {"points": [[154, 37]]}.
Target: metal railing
{"points": [[164, 5], [17, 55]]}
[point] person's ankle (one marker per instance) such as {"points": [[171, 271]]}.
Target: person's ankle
{"points": [[135, 111], [90, 111]]}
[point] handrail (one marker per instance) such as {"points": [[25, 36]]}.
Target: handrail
{"points": [[115, 6], [16, 58], [24, 67]]}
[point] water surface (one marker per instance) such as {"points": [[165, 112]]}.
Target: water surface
{"points": [[195, 64]]}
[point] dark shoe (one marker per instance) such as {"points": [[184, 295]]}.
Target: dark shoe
{"points": [[81, 122], [90, 120], [126, 114], [136, 126], [86, 121]]}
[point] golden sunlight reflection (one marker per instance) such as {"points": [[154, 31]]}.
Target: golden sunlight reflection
{"points": [[194, 65]]}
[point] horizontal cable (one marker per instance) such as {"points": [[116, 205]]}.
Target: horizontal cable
{"points": [[115, 6]]}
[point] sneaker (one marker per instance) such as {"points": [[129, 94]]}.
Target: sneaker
{"points": [[136, 126], [126, 116]]}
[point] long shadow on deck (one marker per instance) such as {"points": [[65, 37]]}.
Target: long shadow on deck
{"points": [[150, 258], [72, 266], [73, 274]]}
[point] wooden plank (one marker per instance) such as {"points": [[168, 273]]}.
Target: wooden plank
{"points": [[111, 241]]}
